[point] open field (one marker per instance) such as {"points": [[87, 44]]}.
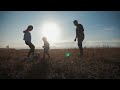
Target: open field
{"points": [[97, 63]]}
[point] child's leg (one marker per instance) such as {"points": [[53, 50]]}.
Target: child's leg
{"points": [[47, 49], [48, 54], [29, 53], [32, 47], [44, 54], [27, 43]]}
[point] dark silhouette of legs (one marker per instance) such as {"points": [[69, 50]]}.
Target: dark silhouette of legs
{"points": [[44, 55], [46, 52], [32, 48], [48, 55], [80, 40], [80, 48], [29, 53]]}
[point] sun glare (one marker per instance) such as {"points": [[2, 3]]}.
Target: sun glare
{"points": [[51, 30]]}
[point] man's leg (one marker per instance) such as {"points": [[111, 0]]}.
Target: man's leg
{"points": [[80, 48]]}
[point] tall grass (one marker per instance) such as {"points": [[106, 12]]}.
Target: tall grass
{"points": [[97, 63]]}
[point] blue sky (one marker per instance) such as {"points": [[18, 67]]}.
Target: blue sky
{"points": [[101, 27]]}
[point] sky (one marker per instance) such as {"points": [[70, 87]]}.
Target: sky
{"points": [[102, 28]]}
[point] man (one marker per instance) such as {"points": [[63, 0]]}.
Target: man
{"points": [[79, 36]]}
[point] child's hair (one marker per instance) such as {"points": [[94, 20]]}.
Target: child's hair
{"points": [[44, 39], [29, 28]]}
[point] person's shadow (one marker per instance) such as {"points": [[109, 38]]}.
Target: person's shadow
{"points": [[38, 71]]}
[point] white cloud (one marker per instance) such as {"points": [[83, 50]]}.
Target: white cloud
{"points": [[111, 43], [108, 29], [105, 28]]}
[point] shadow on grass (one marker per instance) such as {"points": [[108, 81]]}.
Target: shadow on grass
{"points": [[38, 71]]}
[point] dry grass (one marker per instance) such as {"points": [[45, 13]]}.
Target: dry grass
{"points": [[97, 63]]}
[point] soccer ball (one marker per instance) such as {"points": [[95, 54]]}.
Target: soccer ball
{"points": [[37, 55]]}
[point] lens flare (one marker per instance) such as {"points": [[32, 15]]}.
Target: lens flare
{"points": [[67, 54]]}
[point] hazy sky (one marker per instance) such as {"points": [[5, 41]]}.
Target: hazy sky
{"points": [[101, 28]]}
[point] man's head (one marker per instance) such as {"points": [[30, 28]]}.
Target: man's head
{"points": [[75, 22]]}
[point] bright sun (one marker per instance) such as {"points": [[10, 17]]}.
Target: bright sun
{"points": [[51, 30]]}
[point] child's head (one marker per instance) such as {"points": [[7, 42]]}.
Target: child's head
{"points": [[30, 28], [44, 39]]}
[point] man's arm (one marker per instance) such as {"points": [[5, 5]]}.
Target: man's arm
{"points": [[76, 36]]}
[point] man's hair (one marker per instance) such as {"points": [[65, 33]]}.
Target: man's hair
{"points": [[75, 21]]}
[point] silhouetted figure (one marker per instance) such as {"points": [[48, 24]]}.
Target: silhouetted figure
{"points": [[27, 38], [46, 47], [7, 47], [79, 35]]}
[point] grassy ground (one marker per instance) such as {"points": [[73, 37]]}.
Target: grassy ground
{"points": [[97, 63]]}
